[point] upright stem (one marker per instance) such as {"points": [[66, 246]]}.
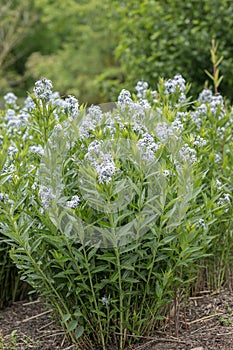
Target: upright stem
{"points": [[94, 299], [121, 296], [215, 83]]}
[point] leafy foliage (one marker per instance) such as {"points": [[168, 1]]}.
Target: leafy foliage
{"points": [[109, 214], [93, 49], [159, 38], [70, 43], [16, 19]]}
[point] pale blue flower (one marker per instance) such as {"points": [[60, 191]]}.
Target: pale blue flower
{"points": [[205, 96], [199, 141], [74, 202], [124, 99], [29, 104], [163, 131], [10, 99], [46, 196], [141, 88], [172, 85], [187, 154], [105, 301], [71, 106], [43, 88], [37, 149]]}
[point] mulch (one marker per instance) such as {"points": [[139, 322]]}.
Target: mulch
{"points": [[206, 323]]}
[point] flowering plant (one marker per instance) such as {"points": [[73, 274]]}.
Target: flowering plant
{"points": [[108, 213]]}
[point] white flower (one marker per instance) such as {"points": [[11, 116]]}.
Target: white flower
{"points": [[139, 128], [90, 121], [171, 85], [105, 301], [105, 171], [202, 109], [46, 196], [37, 149], [87, 125], [147, 141], [8, 168], [143, 103], [10, 99], [34, 186], [141, 88], [147, 147], [218, 184], [224, 200], [177, 126], [71, 106], [201, 224], [23, 117], [94, 151], [14, 123], [182, 116], [74, 202], [29, 104], [205, 96], [55, 96], [199, 141], [179, 81], [10, 114], [187, 154], [3, 197], [43, 88], [101, 161], [216, 105], [163, 131], [12, 150], [218, 158], [95, 113], [182, 97], [124, 99], [166, 173]]}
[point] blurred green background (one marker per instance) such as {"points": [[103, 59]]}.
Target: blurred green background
{"points": [[93, 48]]}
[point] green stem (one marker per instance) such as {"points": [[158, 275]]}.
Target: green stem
{"points": [[74, 260], [146, 287], [121, 296], [50, 287], [94, 299], [44, 278]]}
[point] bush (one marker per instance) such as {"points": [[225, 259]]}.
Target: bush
{"points": [[109, 214], [160, 38], [12, 288]]}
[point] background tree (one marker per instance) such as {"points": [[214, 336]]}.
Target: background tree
{"points": [[165, 37], [83, 63], [69, 42], [16, 20], [93, 49]]}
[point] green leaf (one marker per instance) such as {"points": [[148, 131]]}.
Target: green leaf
{"points": [[79, 331], [209, 75], [66, 317], [72, 325]]}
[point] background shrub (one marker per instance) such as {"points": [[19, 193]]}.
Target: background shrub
{"points": [[93, 50], [161, 38]]}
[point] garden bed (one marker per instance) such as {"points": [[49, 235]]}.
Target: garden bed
{"points": [[208, 326]]}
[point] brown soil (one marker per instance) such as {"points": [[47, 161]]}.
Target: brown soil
{"points": [[208, 325]]}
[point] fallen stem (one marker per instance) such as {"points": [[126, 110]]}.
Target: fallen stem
{"points": [[204, 318], [38, 315]]}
